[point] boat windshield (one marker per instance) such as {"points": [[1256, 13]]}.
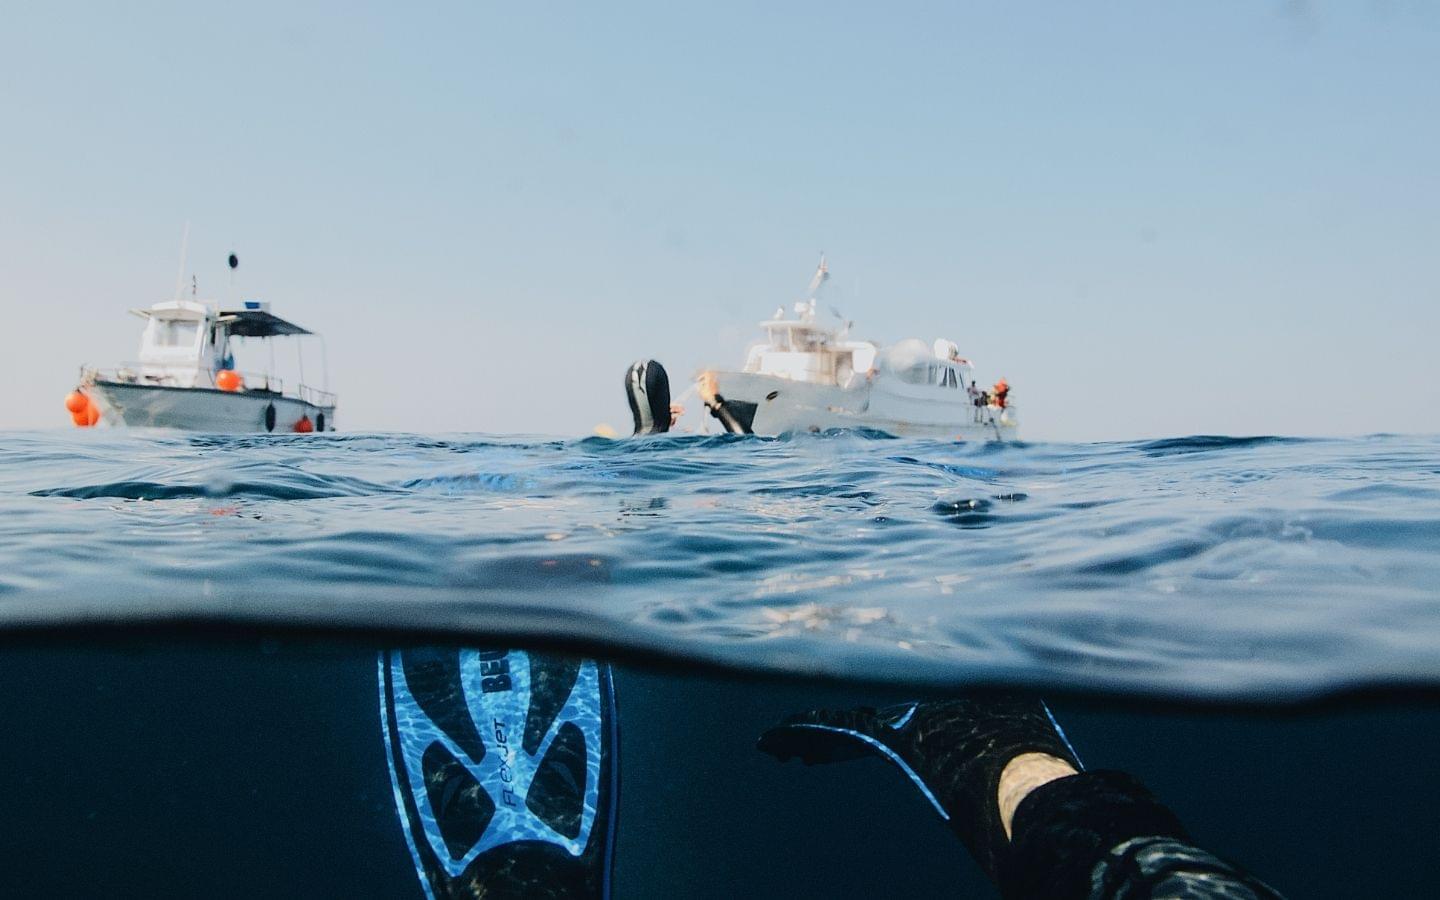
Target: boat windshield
{"points": [[175, 332]]}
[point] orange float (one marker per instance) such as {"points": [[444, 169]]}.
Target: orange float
{"points": [[228, 380], [76, 401], [304, 426], [87, 416]]}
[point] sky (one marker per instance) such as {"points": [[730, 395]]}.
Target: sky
{"points": [[1152, 218]]}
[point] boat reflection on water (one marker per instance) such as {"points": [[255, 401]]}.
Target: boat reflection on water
{"points": [[291, 765]]}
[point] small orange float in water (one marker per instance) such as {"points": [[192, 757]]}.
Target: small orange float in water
{"points": [[228, 380], [76, 401], [304, 426]]}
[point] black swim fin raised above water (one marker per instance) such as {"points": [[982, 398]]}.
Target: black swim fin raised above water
{"points": [[647, 388], [504, 772]]}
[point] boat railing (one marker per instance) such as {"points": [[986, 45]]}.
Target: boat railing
{"points": [[316, 397], [134, 373], [254, 382]]}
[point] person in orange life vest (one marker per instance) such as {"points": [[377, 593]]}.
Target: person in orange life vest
{"points": [[1000, 392]]}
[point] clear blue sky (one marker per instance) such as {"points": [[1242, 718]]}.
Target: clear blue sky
{"points": [[1153, 218]]}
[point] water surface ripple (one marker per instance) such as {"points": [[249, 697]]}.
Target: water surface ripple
{"points": [[1204, 567]]}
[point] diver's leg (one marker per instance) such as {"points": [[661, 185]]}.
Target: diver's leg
{"points": [[735, 416], [1003, 775], [1101, 835]]}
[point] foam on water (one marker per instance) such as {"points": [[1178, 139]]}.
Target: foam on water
{"points": [[1203, 567]]}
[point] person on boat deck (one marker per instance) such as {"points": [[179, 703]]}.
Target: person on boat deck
{"points": [[1001, 773], [1000, 392], [647, 389]]}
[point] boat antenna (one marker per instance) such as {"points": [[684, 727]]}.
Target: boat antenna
{"points": [[184, 249], [822, 275]]}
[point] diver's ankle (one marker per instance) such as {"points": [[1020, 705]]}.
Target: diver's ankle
{"points": [[1024, 774]]}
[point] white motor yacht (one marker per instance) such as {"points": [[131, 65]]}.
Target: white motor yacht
{"points": [[806, 377]]}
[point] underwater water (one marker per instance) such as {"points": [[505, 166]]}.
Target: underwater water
{"points": [[192, 627]]}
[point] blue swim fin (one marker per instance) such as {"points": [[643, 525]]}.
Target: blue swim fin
{"points": [[503, 767]]}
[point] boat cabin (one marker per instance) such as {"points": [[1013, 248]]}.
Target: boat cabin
{"points": [[187, 342], [912, 362], [801, 350]]}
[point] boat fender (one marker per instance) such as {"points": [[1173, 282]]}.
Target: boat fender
{"points": [[647, 387], [304, 425], [772, 395], [81, 406], [269, 417], [320, 421]]}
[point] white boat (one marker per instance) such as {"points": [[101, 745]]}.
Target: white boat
{"points": [[806, 377], [186, 378]]}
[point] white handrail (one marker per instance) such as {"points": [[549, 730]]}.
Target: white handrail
{"points": [[251, 382]]}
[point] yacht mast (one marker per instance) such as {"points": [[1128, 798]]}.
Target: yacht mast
{"points": [[184, 250]]}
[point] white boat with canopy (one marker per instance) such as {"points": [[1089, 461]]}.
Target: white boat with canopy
{"points": [[186, 378], [806, 377]]}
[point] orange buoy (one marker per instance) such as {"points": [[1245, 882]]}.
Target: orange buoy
{"points": [[76, 401], [86, 416], [228, 380], [304, 426]]}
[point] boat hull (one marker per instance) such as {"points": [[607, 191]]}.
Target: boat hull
{"points": [[785, 405], [205, 409]]}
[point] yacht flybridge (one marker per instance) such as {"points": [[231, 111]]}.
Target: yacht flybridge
{"points": [[805, 377], [186, 377]]}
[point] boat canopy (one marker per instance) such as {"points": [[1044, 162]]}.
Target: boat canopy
{"points": [[257, 323]]}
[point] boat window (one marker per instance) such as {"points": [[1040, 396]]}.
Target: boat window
{"points": [[175, 332]]}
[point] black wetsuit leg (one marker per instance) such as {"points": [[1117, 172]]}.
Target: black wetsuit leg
{"points": [[1102, 835], [736, 416]]}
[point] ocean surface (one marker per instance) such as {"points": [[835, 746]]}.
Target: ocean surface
{"points": [[1238, 569], [191, 627]]}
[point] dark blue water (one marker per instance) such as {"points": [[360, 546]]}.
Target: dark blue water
{"points": [[1241, 569]]}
